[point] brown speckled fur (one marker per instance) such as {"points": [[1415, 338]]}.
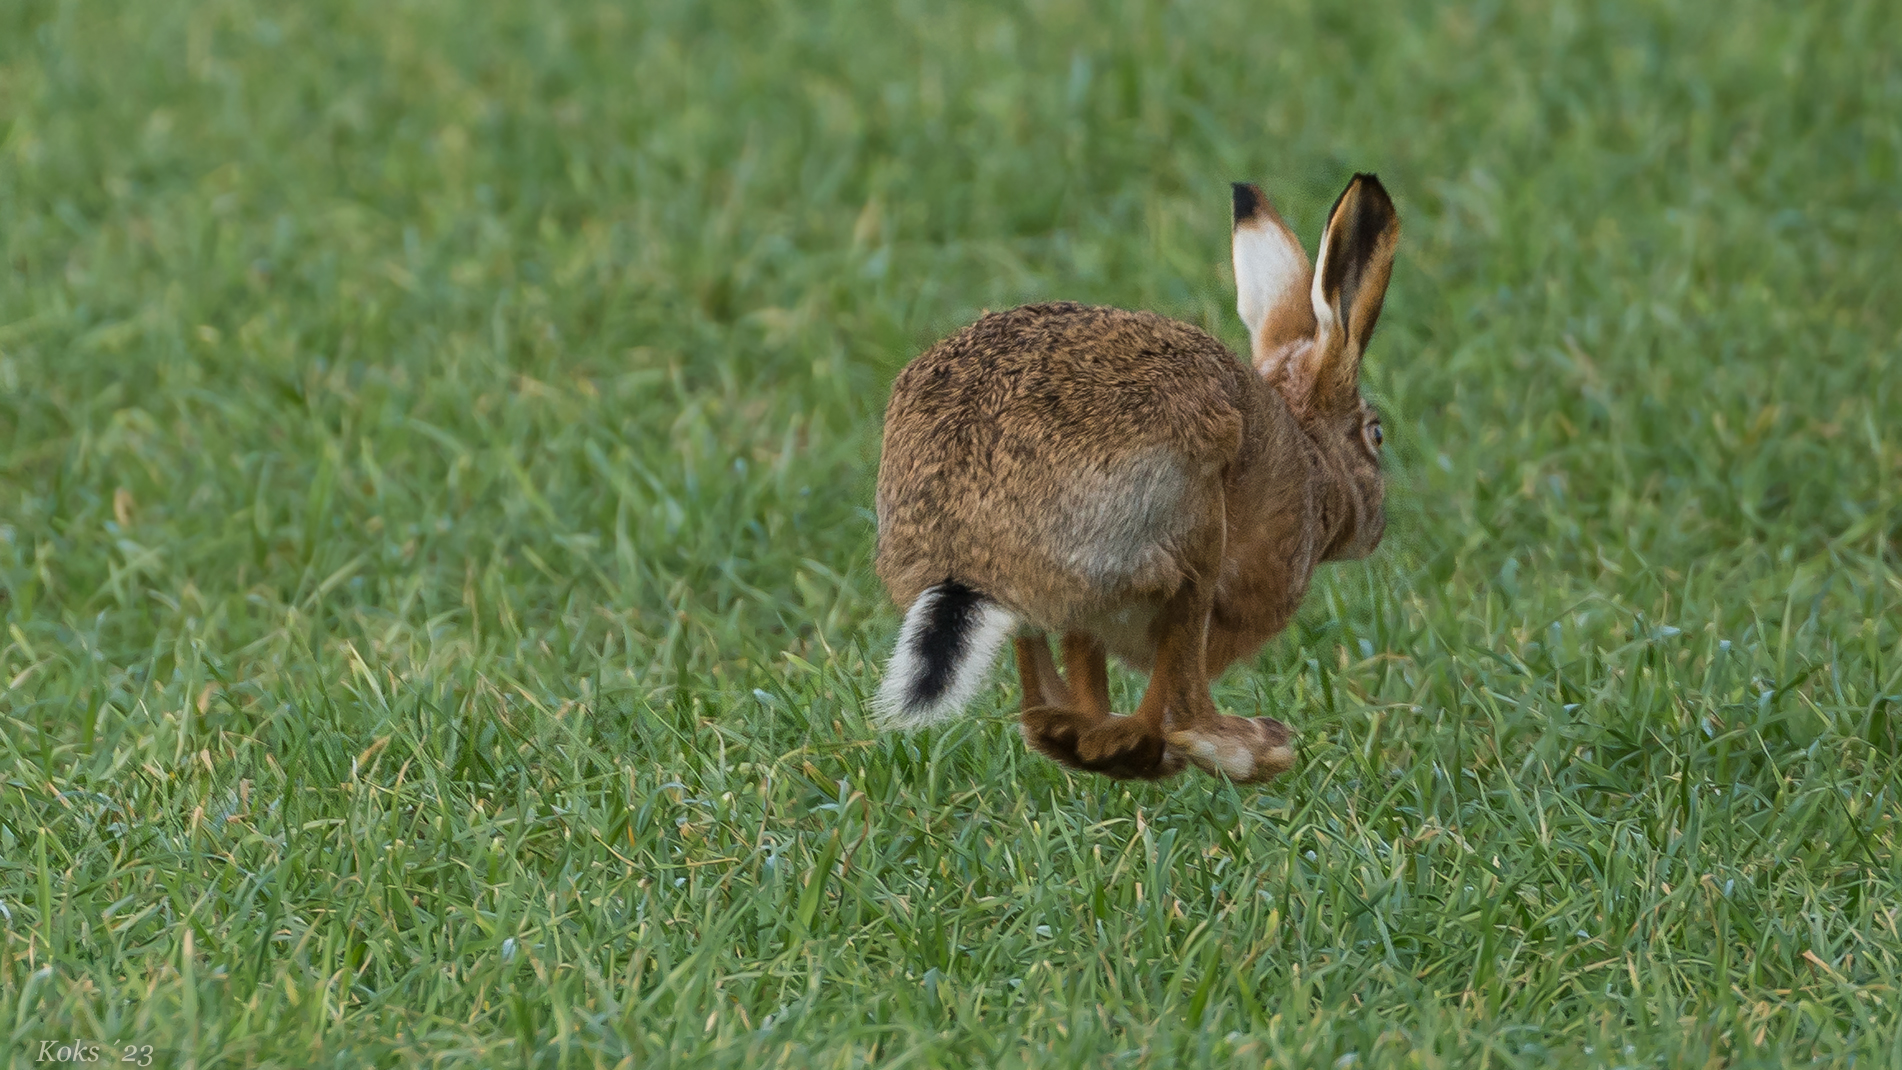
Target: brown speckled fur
{"points": [[1124, 481]]}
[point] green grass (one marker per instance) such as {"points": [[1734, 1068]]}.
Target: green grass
{"points": [[436, 450]]}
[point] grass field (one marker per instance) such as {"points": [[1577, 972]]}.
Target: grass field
{"points": [[436, 455]]}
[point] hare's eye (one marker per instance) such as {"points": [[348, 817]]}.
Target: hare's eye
{"points": [[1372, 434]]}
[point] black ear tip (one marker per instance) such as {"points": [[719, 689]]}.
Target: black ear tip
{"points": [[1247, 201], [1370, 182]]}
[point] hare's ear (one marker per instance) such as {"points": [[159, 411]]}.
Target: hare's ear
{"points": [[1356, 260], [1271, 278]]}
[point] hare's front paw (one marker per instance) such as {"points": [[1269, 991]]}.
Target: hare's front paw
{"points": [[1245, 749], [1118, 747]]}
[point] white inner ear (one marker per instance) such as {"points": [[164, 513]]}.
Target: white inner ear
{"points": [[1325, 315], [1268, 265]]}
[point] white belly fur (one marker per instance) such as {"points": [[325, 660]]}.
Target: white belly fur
{"points": [[1125, 633]]}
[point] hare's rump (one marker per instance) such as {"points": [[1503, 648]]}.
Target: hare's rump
{"points": [[1056, 457]]}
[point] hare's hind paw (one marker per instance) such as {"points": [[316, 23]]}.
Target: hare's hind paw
{"points": [[1118, 747], [1247, 750]]}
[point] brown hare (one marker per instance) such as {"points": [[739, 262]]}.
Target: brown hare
{"points": [[1124, 482]]}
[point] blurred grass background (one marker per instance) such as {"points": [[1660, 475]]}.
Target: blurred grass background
{"points": [[436, 447]]}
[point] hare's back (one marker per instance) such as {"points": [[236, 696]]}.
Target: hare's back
{"points": [[1055, 452], [1067, 377]]}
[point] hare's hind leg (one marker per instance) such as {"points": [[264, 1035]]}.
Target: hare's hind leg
{"points": [[1043, 685], [1086, 664], [1069, 721], [1052, 718]]}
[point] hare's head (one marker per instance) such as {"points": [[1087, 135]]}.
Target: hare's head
{"points": [[1307, 329]]}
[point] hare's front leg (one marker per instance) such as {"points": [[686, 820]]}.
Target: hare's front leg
{"points": [[1069, 721], [1177, 702], [1245, 749]]}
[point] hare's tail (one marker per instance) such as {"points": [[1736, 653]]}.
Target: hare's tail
{"points": [[951, 636]]}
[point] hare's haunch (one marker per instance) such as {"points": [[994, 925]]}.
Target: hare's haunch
{"points": [[1124, 482]]}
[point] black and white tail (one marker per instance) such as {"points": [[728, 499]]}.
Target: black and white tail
{"points": [[951, 636]]}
